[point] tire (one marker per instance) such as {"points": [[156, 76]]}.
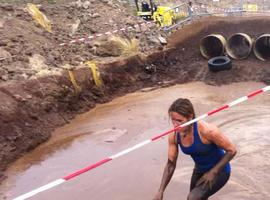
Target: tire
{"points": [[219, 63]]}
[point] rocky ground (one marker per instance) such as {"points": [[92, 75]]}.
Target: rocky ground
{"points": [[36, 93], [27, 50], [31, 61]]}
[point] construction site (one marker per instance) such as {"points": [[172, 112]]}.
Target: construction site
{"points": [[83, 80]]}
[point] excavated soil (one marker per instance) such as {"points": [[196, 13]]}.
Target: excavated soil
{"points": [[31, 110]]}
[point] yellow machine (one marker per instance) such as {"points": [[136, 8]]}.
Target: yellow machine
{"points": [[162, 15]]}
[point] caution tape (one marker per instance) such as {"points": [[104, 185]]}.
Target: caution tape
{"points": [[95, 36], [137, 146]]}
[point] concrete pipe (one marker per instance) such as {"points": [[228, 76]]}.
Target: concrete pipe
{"points": [[262, 47], [212, 45], [239, 46]]}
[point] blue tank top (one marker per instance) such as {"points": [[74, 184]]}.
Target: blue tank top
{"points": [[205, 156]]}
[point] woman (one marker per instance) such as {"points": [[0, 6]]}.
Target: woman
{"points": [[209, 148]]}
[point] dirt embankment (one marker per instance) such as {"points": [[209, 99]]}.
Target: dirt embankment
{"points": [[187, 55], [24, 43], [36, 93], [32, 109]]}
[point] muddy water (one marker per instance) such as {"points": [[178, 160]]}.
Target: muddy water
{"points": [[128, 120]]}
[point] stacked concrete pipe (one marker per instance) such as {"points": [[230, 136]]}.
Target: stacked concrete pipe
{"points": [[261, 47], [239, 46], [212, 45]]}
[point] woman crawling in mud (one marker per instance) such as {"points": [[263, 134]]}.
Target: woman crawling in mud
{"points": [[208, 147]]}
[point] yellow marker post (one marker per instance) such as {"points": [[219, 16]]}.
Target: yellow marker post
{"points": [[95, 73], [77, 88], [39, 17]]}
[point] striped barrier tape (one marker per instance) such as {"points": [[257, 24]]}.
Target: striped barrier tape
{"points": [[137, 146], [137, 26], [91, 37]]}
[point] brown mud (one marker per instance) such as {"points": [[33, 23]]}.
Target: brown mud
{"points": [[31, 110], [133, 118]]}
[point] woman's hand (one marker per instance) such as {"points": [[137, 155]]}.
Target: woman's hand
{"points": [[159, 196], [207, 179]]}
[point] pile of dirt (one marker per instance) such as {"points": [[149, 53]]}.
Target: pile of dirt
{"points": [[23, 40]]}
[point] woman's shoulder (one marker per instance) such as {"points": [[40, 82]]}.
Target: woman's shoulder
{"points": [[206, 129]]}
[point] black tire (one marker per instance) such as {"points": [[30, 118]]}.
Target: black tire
{"points": [[219, 63]]}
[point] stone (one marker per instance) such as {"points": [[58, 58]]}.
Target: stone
{"points": [[75, 26], [37, 62], [79, 4], [108, 48], [3, 42], [3, 72], [104, 1], [20, 77], [86, 4], [5, 77], [153, 40], [7, 7], [1, 23], [95, 15], [162, 40], [5, 55]]}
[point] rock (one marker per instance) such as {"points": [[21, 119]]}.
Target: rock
{"points": [[18, 97], [37, 62], [68, 67], [3, 42], [20, 77], [104, 1], [7, 7], [108, 48], [22, 58], [137, 29], [162, 40], [75, 26], [30, 73], [5, 55], [95, 15], [130, 22], [4, 77], [28, 96], [69, 16], [2, 72], [86, 4], [55, 53], [143, 27], [1, 23], [153, 40], [29, 51], [79, 4]]}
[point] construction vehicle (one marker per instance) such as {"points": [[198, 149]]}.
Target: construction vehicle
{"points": [[162, 15]]}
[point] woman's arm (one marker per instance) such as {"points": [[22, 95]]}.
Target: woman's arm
{"points": [[169, 168], [212, 134]]}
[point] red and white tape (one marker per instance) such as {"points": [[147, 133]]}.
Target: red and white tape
{"points": [[91, 37], [137, 146], [135, 27]]}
